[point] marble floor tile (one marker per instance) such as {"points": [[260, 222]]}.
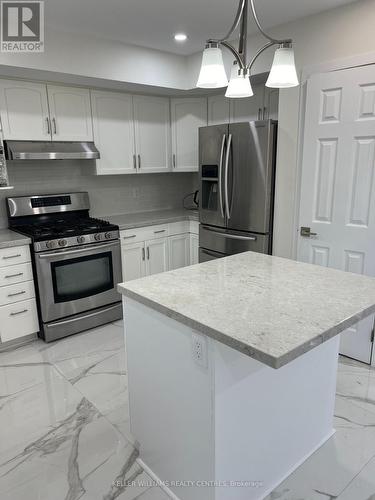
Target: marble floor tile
{"points": [[356, 383], [363, 486], [333, 466]]}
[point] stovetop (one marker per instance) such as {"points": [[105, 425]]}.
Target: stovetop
{"points": [[61, 228]]}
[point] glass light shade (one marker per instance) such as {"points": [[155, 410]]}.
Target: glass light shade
{"points": [[212, 74], [239, 85], [283, 72]]}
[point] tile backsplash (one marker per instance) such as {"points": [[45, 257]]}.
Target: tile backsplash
{"points": [[109, 195]]}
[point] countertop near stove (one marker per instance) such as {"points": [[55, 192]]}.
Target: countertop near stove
{"points": [[140, 219], [10, 239]]}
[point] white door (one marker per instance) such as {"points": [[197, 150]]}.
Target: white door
{"points": [[152, 133], [70, 112], [24, 111], [248, 109], [338, 183], [179, 250], [113, 125], [187, 116], [133, 258], [194, 249], [156, 256], [218, 109], [270, 104]]}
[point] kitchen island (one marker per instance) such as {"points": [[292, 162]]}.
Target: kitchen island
{"points": [[232, 370]]}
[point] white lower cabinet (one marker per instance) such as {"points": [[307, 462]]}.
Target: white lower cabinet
{"points": [[179, 251], [155, 249], [18, 312], [156, 256]]}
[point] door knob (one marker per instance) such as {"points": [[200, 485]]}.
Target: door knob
{"points": [[306, 232]]}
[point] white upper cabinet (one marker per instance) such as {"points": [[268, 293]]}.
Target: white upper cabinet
{"points": [[218, 109], [152, 133], [70, 113], [24, 111], [188, 114], [249, 108], [113, 125]]}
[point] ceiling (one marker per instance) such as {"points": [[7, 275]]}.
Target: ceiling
{"points": [[152, 23]]}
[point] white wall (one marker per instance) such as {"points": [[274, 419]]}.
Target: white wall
{"points": [[75, 54]]}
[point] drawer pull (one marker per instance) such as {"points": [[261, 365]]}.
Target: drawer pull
{"points": [[160, 231], [14, 275], [16, 293], [128, 237], [12, 256], [18, 312]]}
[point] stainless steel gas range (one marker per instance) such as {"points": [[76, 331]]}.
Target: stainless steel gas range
{"points": [[76, 261]]}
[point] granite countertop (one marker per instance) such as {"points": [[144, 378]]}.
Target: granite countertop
{"points": [[269, 308], [139, 219], [10, 239]]}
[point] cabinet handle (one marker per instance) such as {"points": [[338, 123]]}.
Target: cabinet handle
{"points": [[139, 162], [174, 160], [13, 275], [54, 125], [18, 312], [264, 113], [160, 231], [128, 237], [143, 253], [134, 162], [16, 293], [148, 253], [12, 256], [48, 126], [259, 113]]}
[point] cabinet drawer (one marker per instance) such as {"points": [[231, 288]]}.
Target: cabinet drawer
{"points": [[15, 293], [15, 274], [18, 320], [179, 227], [143, 233], [14, 255]]}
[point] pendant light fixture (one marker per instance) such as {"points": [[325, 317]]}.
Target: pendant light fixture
{"points": [[212, 74]]}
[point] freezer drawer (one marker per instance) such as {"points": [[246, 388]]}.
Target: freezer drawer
{"points": [[232, 242], [206, 255]]}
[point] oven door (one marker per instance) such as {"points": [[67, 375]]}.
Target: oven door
{"points": [[77, 280]]}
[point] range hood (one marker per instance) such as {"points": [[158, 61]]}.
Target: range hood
{"points": [[47, 150]]}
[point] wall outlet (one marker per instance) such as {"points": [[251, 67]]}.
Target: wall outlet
{"points": [[135, 192], [199, 349]]}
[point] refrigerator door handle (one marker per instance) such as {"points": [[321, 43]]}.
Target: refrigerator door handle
{"points": [[221, 176], [226, 177], [230, 236]]}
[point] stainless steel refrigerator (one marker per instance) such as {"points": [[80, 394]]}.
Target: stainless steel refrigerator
{"points": [[237, 179]]}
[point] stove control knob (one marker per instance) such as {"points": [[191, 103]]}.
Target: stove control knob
{"points": [[108, 236], [98, 236], [62, 243], [81, 239], [50, 244]]}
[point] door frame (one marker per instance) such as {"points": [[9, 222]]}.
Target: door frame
{"points": [[326, 67]]}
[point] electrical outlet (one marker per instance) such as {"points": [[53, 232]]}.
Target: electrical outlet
{"points": [[199, 349], [135, 192]]}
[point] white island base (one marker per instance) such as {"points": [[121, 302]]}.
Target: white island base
{"points": [[224, 417]]}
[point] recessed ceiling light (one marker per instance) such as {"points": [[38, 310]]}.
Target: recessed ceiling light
{"points": [[180, 37]]}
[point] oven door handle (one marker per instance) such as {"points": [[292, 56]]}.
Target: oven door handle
{"points": [[102, 246]]}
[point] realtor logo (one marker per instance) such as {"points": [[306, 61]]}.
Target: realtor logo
{"points": [[22, 26]]}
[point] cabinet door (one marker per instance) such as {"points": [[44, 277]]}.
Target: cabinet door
{"points": [[70, 112], [187, 116], [249, 108], [156, 256], [194, 249], [179, 251], [133, 261], [113, 125], [271, 103], [218, 110], [24, 111], [152, 133]]}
